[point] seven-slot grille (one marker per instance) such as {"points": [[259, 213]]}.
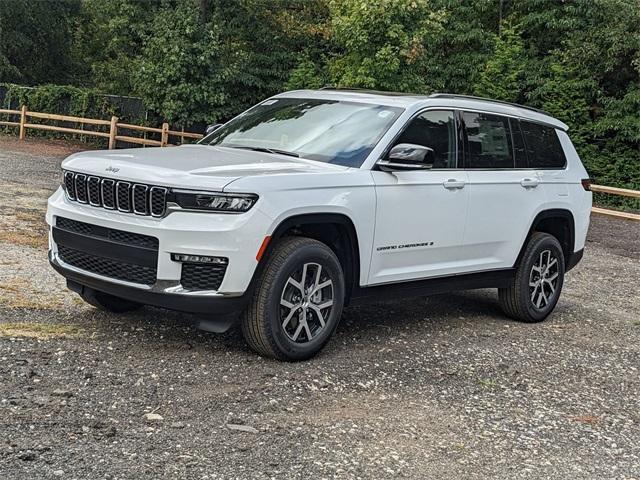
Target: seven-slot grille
{"points": [[116, 195]]}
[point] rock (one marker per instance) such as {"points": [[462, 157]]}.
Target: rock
{"points": [[177, 425], [241, 428], [58, 392], [153, 417], [58, 473], [27, 456]]}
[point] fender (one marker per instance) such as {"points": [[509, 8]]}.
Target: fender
{"points": [[569, 242], [351, 245]]}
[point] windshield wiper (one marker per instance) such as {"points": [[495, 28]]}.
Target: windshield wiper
{"points": [[269, 150]]}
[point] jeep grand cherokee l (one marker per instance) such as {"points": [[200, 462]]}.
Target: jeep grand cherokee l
{"points": [[314, 200]]}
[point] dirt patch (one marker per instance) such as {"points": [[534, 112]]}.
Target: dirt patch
{"points": [[42, 147], [19, 292], [41, 331]]}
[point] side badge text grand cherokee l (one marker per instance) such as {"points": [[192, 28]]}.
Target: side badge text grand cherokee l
{"points": [[314, 200]]}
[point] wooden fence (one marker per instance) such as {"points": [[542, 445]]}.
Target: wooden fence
{"points": [[165, 133], [623, 192], [113, 134]]}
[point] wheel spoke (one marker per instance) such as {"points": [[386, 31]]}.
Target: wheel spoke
{"points": [[290, 315], [533, 294], [539, 298], [553, 289], [321, 286], [304, 277], [286, 303], [296, 284], [552, 277], [317, 281], [326, 304], [552, 262], [307, 329], [316, 309], [543, 295], [296, 334]]}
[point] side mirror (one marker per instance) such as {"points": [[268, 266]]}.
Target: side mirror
{"points": [[408, 156], [211, 128]]}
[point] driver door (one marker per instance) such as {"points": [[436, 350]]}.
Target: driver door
{"points": [[421, 213]]}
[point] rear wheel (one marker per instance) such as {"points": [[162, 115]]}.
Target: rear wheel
{"points": [[298, 301], [536, 288], [108, 303]]}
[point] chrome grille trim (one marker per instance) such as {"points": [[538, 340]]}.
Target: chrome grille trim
{"points": [[80, 183], [134, 198], [112, 194], [92, 200], [70, 185], [154, 200], [119, 201], [109, 185]]}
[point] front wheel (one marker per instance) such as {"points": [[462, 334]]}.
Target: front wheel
{"points": [[297, 303], [536, 288]]}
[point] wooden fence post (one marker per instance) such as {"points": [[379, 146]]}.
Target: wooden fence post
{"points": [[165, 135], [113, 131], [23, 120]]}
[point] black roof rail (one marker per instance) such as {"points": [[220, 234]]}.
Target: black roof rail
{"points": [[490, 100], [371, 91]]}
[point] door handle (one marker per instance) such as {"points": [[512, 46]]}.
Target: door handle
{"points": [[529, 182], [453, 184]]}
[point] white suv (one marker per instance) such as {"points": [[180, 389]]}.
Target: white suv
{"points": [[314, 200]]}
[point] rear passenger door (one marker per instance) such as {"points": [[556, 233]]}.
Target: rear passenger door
{"points": [[504, 193]]}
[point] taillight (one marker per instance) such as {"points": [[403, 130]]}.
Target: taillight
{"points": [[586, 184]]}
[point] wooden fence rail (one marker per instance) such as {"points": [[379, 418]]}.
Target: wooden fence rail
{"points": [[113, 134], [623, 192]]}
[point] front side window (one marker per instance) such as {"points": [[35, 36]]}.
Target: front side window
{"points": [[329, 131], [543, 146], [489, 141], [435, 129]]}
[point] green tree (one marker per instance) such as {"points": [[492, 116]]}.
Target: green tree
{"points": [[502, 75], [36, 41]]}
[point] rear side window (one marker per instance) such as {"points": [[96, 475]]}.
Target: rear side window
{"points": [[543, 146], [489, 141]]}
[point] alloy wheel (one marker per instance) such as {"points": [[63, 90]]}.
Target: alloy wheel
{"points": [[306, 303], [543, 280]]}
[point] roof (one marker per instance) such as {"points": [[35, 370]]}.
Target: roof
{"points": [[449, 100]]}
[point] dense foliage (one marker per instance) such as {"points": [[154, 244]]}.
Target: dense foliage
{"points": [[198, 61]]}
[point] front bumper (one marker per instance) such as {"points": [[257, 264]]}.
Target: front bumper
{"points": [[236, 237], [160, 295]]}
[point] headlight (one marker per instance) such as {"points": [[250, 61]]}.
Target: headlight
{"points": [[216, 202]]}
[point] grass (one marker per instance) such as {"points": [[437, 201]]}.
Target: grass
{"points": [[19, 293], [488, 382], [27, 238], [25, 227], [40, 331]]}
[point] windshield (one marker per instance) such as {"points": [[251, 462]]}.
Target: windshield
{"points": [[325, 130]]}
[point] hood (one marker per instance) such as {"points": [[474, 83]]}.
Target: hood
{"points": [[189, 166]]}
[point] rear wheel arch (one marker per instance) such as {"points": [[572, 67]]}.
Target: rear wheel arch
{"points": [[557, 222], [336, 230]]}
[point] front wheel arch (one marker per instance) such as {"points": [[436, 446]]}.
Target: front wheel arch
{"points": [[315, 225]]}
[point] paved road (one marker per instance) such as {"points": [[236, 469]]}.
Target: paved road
{"points": [[440, 387]]}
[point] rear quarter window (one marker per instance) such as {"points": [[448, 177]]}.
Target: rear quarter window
{"points": [[542, 145]]}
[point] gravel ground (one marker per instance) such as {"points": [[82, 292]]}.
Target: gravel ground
{"points": [[439, 387]]}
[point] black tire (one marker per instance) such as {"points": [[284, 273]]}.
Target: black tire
{"points": [[532, 296], [264, 323], [108, 303]]}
